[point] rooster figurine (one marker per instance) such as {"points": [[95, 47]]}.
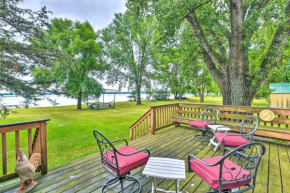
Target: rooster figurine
{"points": [[26, 169]]}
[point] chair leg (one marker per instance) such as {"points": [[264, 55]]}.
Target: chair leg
{"points": [[116, 179], [110, 182], [122, 187], [200, 137], [131, 178]]}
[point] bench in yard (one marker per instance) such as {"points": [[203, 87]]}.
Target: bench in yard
{"points": [[100, 105]]}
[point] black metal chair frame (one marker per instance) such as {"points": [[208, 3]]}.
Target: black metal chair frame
{"points": [[249, 136], [252, 162], [106, 146], [204, 131]]}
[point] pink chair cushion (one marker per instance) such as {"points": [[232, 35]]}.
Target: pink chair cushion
{"points": [[200, 124], [126, 163], [211, 174], [234, 141]]}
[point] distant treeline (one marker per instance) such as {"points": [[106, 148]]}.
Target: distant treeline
{"points": [[128, 92]]}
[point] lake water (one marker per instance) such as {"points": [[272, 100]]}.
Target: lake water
{"points": [[62, 100]]}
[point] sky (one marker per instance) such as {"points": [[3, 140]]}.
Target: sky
{"points": [[99, 13]]}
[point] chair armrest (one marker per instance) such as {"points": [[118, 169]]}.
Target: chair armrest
{"points": [[120, 140], [129, 154], [200, 160]]}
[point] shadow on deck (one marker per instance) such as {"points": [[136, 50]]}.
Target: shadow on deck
{"points": [[87, 174]]}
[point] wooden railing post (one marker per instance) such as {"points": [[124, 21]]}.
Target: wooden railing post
{"points": [[131, 134], [177, 109], [36, 144], [17, 145], [153, 120], [4, 154], [43, 142]]}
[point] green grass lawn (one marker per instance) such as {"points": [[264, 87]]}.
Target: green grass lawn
{"points": [[70, 131]]}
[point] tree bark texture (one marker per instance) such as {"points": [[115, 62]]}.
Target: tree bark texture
{"points": [[201, 96], [233, 65], [138, 92], [79, 101]]}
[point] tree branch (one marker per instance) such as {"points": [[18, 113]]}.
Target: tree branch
{"points": [[203, 41], [254, 21], [275, 50], [193, 9], [216, 74], [220, 46], [252, 7]]}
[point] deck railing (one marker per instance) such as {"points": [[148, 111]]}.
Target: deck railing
{"points": [[160, 117], [37, 143], [155, 118]]}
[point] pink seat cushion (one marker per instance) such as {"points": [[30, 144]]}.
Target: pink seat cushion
{"points": [[200, 124], [126, 163], [234, 141], [231, 173]]}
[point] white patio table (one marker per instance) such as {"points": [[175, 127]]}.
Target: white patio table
{"points": [[216, 128], [165, 168]]}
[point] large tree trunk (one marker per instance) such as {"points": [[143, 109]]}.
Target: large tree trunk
{"points": [[238, 61], [79, 104], [235, 92]]}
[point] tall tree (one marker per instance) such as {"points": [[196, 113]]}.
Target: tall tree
{"points": [[201, 82], [126, 49], [181, 65], [242, 40], [17, 51], [170, 71], [74, 63]]}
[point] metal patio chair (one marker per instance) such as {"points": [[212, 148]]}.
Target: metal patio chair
{"points": [[119, 162], [247, 129], [223, 175], [207, 117]]}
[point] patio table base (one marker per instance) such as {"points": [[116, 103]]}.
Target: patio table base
{"points": [[155, 189], [216, 128]]}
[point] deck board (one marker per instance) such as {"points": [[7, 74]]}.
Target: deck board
{"points": [[274, 170], [87, 174], [263, 171], [285, 168]]}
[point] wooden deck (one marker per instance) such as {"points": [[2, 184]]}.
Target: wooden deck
{"points": [[87, 174]]}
